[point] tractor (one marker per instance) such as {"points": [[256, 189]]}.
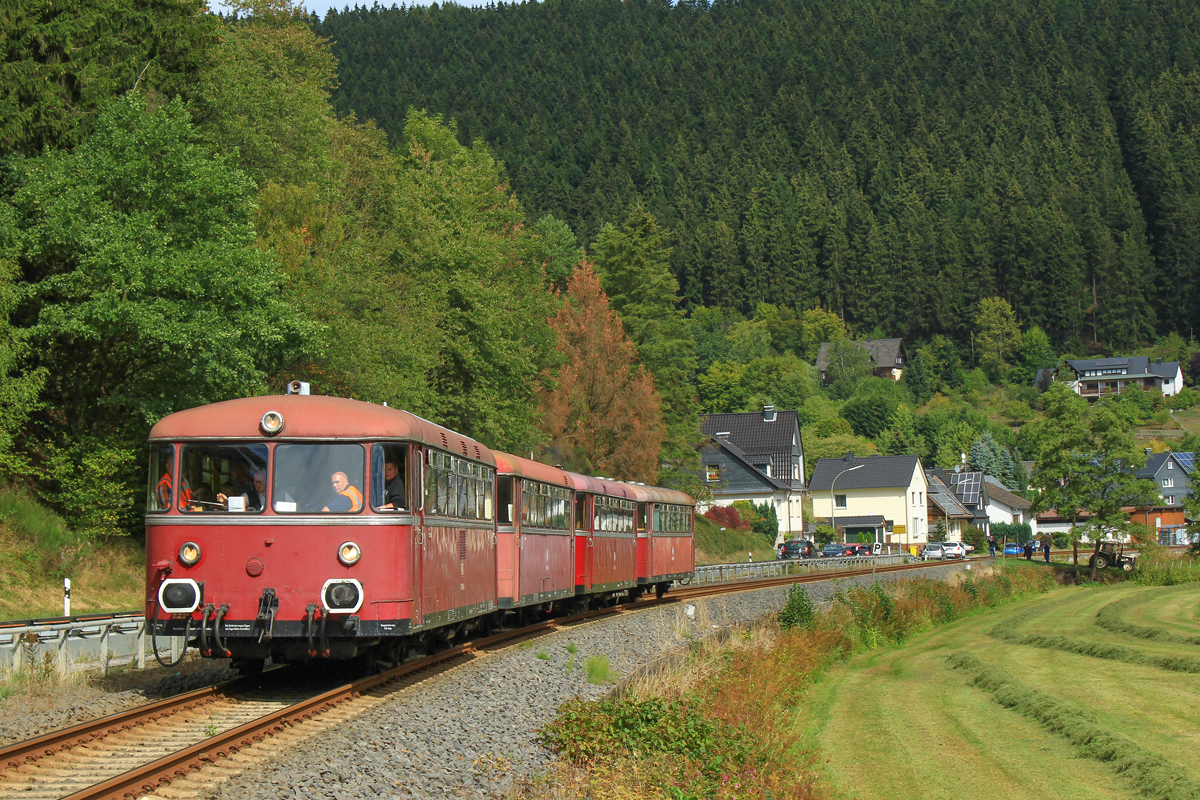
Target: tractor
{"points": [[1112, 553]]}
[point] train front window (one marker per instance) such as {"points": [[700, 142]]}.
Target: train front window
{"points": [[318, 479], [219, 478], [389, 477], [162, 478]]}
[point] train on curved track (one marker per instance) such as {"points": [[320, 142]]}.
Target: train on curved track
{"points": [[296, 527]]}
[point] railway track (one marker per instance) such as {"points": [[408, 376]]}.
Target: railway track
{"points": [[172, 748]]}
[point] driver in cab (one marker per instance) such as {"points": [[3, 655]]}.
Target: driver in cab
{"points": [[348, 500]]}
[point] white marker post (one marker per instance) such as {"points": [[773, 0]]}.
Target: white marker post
{"points": [[66, 597]]}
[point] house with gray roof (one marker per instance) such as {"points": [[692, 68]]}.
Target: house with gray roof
{"points": [[883, 497], [758, 457], [1172, 474], [1094, 377], [1006, 506], [886, 354]]}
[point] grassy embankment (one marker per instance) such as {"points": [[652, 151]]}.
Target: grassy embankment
{"points": [[716, 546], [37, 551]]}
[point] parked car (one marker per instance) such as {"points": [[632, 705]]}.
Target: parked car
{"points": [[860, 549], [833, 550], [1013, 549], [797, 548], [934, 551], [954, 550]]}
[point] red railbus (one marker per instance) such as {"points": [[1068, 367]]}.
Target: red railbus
{"points": [[534, 542], [298, 527]]}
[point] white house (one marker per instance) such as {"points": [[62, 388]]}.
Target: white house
{"points": [[883, 496]]}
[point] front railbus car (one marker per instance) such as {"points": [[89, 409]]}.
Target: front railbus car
{"points": [[299, 527]]}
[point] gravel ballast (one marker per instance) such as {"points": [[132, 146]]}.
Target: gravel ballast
{"points": [[467, 732]]}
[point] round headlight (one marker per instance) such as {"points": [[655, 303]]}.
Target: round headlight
{"points": [[189, 553], [349, 553], [272, 423]]}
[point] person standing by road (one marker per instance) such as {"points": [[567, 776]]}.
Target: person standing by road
{"points": [[1029, 550], [1046, 540], [991, 545]]}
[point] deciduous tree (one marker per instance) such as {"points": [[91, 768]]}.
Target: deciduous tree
{"points": [[602, 415]]}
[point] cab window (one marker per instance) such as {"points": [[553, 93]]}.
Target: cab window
{"points": [[162, 478], [389, 477], [222, 478]]}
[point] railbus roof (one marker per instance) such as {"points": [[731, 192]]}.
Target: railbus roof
{"points": [[307, 417]]}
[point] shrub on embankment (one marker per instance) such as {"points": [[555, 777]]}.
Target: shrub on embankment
{"points": [[719, 725]]}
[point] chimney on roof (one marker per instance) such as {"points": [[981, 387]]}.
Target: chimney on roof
{"points": [[1158, 360], [1148, 452], [723, 436], [768, 413]]}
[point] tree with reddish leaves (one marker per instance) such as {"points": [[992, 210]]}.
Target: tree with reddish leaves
{"points": [[603, 416]]}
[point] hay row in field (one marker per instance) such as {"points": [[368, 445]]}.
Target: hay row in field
{"points": [[1111, 618], [1149, 774], [1008, 631]]}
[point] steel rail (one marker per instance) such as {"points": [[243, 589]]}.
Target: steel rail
{"points": [[147, 778]]}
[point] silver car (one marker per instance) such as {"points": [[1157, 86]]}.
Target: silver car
{"points": [[954, 550], [934, 551]]}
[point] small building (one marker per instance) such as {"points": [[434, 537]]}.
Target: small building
{"points": [[1008, 507], [971, 490], [884, 496], [945, 509], [757, 457], [887, 355], [1094, 377]]}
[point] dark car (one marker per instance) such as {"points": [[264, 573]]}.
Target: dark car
{"points": [[798, 548], [833, 549], [859, 549]]}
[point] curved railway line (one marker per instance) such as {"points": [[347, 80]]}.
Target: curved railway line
{"points": [[152, 750]]}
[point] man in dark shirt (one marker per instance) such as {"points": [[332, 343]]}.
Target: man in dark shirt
{"points": [[393, 489]]}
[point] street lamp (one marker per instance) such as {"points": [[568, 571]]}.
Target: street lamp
{"points": [[832, 499]]}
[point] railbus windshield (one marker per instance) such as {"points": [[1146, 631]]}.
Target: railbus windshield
{"points": [[318, 478]]}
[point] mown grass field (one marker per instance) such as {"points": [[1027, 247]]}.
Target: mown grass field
{"points": [[904, 722]]}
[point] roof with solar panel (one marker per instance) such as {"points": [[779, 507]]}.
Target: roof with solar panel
{"points": [[1187, 461]]}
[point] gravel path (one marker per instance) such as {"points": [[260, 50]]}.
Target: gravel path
{"points": [[444, 737]]}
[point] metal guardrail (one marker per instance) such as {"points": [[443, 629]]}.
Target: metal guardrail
{"points": [[77, 644], [727, 573], [97, 643]]}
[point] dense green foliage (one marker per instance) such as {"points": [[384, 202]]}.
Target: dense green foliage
{"points": [[897, 163]]}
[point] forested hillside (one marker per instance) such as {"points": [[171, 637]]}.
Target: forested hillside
{"points": [[894, 162]]}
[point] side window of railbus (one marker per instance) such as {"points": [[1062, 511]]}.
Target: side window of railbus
{"points": [[162, 478], [389, 477], [456, 487], [318, 479], [220, 478]]}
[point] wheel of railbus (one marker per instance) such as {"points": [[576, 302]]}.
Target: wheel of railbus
{"points": [[660, 589], [248, 667]]}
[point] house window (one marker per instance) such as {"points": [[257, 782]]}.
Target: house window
{"points": [[1170, 465], [1170, 499], [839, 501], [1168, 483], [712, 473]]}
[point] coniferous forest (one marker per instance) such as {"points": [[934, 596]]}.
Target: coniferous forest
{"points": [[894, 162], [570, 227]]}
